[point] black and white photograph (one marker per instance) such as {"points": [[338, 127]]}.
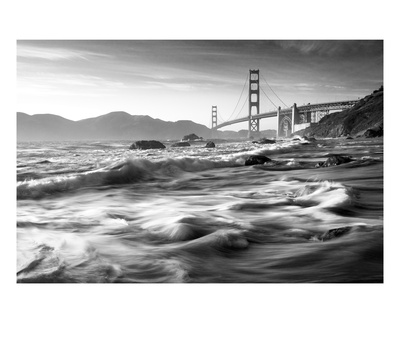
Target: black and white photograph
{"points": [[199, 172], [177, 161]]}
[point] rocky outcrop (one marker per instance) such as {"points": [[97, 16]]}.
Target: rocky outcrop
{"points": [[334, 160], [143, 145], [365, 115], [210, 145], [191, 137], [256, 159], [180, 144]]}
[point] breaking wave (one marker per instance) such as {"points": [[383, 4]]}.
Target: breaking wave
{"points": [[129, 171]]}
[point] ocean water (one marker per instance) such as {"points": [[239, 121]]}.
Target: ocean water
{"points": [[97, 212]]}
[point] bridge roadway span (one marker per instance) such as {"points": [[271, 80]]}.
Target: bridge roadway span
{"points": [[328, 106]]}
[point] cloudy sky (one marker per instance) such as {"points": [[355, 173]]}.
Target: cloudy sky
{"points": [[176, 80]]}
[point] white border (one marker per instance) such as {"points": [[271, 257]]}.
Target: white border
{"points": [[198, 313]]}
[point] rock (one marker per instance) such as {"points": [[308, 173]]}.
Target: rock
{"points": [[143, 145], [310, 139], [256, 159], [374, 132], [179, 144], [296, 139], [265, 141], [365, 114], [210, 145], [334, 233], [191, 137], [334, 160]]}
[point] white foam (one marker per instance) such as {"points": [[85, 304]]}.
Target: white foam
{"points": [[323, 194]]}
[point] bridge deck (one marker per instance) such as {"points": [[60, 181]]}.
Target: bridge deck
{"points": [[337, 105]]}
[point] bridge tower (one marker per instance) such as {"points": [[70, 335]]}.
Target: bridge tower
{"points": [[254, 102], [213, 121]]}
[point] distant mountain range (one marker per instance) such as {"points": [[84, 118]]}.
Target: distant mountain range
{"points": [[113, 126]]}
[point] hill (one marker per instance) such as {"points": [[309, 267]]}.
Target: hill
{"points": [[366, 114], [45, 127], [122, 125], [113, 126]]}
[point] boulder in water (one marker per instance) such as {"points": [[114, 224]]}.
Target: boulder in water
{"points": [[191, 137], [310, 139], [334, 233], [265, 141], [256, 159], [143, 145], [210, 145], [179, 144], [334, 160], [374, 132]]}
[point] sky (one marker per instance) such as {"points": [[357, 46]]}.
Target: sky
{"points": [[182, 79]]}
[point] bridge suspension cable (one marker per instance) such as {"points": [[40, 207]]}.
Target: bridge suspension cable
{"points": [[273, 91], [244, 86], [245, 102], [269, 98], [221, 117]]}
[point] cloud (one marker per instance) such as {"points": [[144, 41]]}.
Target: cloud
{"points": [[54, 54], [333, 47], [334, 86], [173, 86], [67, 85]]}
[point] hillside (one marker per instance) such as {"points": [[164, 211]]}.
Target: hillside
{"points": [[366, 114], [122, 125], [113, 126], [45, 127]]}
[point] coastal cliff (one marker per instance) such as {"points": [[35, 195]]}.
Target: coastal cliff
{"points": [[356, 121]]}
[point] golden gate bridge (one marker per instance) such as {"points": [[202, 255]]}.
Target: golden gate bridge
{"points": [[288, 119]]}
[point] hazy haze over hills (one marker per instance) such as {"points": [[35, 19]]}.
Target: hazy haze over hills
{"points": [[112, 126]]}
